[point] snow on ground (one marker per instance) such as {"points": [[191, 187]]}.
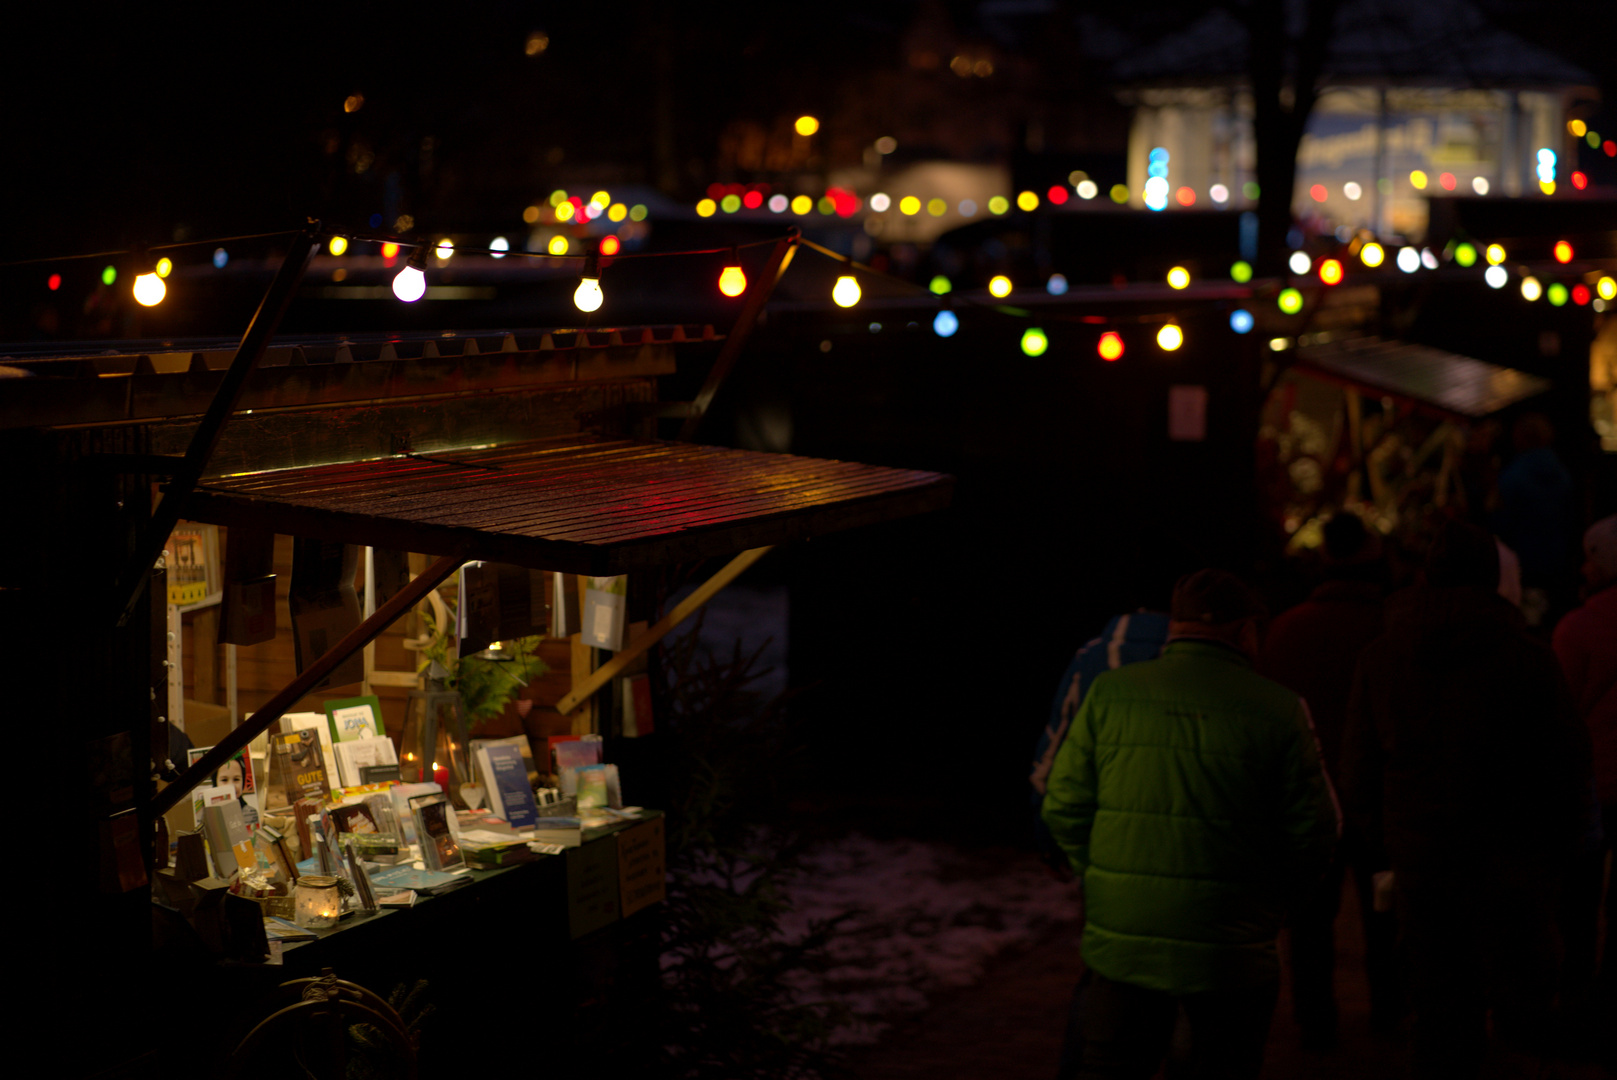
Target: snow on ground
{"points": [[927, 918]]}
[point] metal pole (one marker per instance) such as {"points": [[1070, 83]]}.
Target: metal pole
{"points": [[263, 326], [288, 696]]}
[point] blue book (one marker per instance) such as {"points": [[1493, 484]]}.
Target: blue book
{"points": [[505, 779], [421, 881]]}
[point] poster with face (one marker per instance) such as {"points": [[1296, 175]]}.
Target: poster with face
{"points": [[236, 774]]}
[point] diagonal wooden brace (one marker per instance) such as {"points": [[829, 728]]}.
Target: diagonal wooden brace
{"points": [[352, 642], [658, 630]]}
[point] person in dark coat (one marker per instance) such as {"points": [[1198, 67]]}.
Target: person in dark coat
{"points": [[1464, 762], [1312, 650]]}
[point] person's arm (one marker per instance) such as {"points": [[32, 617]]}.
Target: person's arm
{"points": [[1311, 819], [1069, 798]]}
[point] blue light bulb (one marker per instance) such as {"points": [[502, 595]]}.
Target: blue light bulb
{"points": [[1241, 320], [945, 323]]}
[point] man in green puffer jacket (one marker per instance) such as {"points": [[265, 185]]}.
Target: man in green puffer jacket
{"points": [[1190, 800]]}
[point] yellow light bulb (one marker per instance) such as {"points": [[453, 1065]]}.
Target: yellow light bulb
{"points": [[588, 295], [149, 290], [617, 212], [1000, 286], [601, 199], [165, 267], [806, 125], [846, 292], [732, 281], [1372, 254], [1495, 254], [1170, 337], [1607, 288], [1418, 179], [339, 244], [1531, 289], [1179, 277], [564, 211], [445, 249], [1027, 201], [802, 204], [557, 245], [909, 205]]}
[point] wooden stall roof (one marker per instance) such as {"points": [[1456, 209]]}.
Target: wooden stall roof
{"points": [[577, 503], [1445, 381]]}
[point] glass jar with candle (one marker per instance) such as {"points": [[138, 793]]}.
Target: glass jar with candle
{"points": [[317, 902]]}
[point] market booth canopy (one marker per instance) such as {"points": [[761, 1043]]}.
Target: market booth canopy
{"points": [[1457, 386], [584, 504]]}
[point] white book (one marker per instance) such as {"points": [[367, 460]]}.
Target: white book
{"points": [[356, 754]]}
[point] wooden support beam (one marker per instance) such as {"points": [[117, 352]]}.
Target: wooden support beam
{"points": [[271, 711], [687, 607]]}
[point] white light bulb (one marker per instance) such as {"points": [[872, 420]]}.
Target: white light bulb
{"points": [[1496, 277], [846, 292], [410, 285], [588, 295], [498, 247], [1408, 260], [149, 290], [1300, 262]]}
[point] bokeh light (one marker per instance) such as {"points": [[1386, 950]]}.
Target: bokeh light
{"points": [[1330, 271], [637, 212], [1495, 254], [1120, 193], [164, 267], [1607, 288], [1465, 254], [1241, 272], [1057, 285], [1299, 262], [1185, 197], [1087, 190], [564, 210], [945, 323], [498, 247], [732, 280], [1352, 190], [1034, 343], [1318, 193], [1418, 180], [1290, 301], [1447, 180], [1577, 127], [338, 245], [1556, 293], [1531, 289], [1219, 194], [1496, 277], [445, 249], [706, 208], [1562, 251], [220, 258], [108, 275], [730, 203], [1000, 286], [1408, 260], [1580, 294], [530, 215], [557, 245], [1479, 184], [1372, 254], [1179, 277], [1027, 200], [1579, 179], [846, 291], [390, 250], [1110, 346], [937, 207], [1241, 321], [1057, 194], [999, 204], [53, 282], [909, 206], [880, 201], [1170, 337], [802, 204], [940, 285], [617, 212], [806, 125], [1251, 189], [968, 208], [778, 203], [610, 245]]}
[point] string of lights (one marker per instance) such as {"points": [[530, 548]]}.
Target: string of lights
{"points": [[409, 285]]}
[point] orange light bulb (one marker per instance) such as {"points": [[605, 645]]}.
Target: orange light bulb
{"points": [[732, 281]]}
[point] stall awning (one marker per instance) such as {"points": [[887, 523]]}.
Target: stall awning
{"points": [[577, 504], [1445, 381]]}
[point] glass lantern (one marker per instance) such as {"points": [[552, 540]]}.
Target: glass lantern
{"points": [[317, 902], [433, 746]]}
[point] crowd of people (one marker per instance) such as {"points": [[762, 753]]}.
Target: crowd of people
{"points": [[1214, 778]]}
